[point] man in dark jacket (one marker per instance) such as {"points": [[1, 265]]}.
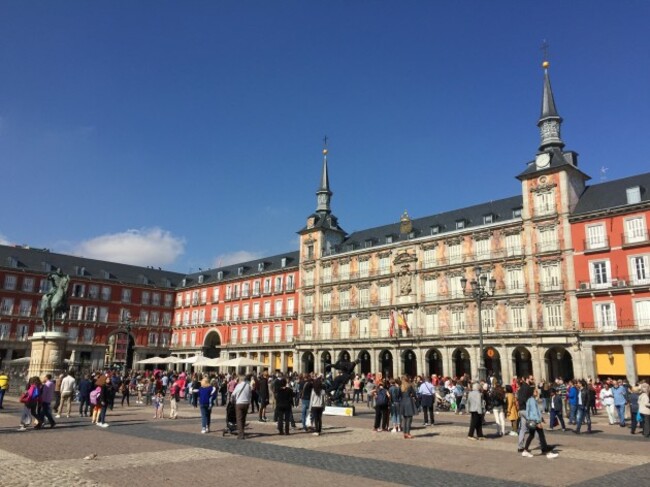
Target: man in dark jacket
{"points": [[85, 386], [556, 410], [283, 403], [582, 407], [523, 393]]}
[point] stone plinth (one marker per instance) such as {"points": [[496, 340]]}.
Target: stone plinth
{"points": [[48, 352]]}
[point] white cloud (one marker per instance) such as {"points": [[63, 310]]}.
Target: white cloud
{"points": [[147, 246], [4, 240], [235, 258]]}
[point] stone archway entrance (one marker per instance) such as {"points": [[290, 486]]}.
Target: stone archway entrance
{"points": [[522, 361], [386, 363], [212, 344], [364, 362], [462, 362], [559, 363], [434, 362], [492, 362], [410, 363], [307, 361]]}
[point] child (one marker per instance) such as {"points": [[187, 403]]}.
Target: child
{"points": [[159, 405]]}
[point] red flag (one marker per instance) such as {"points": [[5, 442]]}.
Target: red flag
{"points": [[391, 328]]}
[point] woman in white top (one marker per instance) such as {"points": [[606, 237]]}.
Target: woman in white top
{"points": [[317, 405], [607, 399]]}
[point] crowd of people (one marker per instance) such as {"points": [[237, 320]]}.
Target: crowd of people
{"points": [[525, 407]]}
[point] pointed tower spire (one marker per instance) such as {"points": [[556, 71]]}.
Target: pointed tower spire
{"points": [[323, 195], [549, 121]]}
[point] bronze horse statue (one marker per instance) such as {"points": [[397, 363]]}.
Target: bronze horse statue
{"points": [[55, 300]]}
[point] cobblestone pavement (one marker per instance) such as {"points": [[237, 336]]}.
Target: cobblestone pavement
{"points": [[138, 450]]}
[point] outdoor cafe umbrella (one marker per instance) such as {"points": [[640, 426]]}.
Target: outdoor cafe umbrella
{"points": [[242, 362]]}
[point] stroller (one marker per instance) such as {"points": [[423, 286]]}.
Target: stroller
{"points": [[231, 420]]}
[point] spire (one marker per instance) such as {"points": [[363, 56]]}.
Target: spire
{"points": [[323, 195], [549, 121]]}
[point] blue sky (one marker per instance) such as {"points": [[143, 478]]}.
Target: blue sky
{"points": [[184, 134]]}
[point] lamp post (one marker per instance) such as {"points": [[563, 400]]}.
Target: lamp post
{"points": [[480, 289], [128, 324]]}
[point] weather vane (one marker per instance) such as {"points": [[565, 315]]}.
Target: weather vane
{"points": [[325, 145]]}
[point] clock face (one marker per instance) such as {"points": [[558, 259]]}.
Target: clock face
{"points": [[542, 160]]}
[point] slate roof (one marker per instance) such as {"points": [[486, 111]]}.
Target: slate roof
{"points": [[611, 194], [250, 268], [568, 159], [501, 210], [35, 260]]}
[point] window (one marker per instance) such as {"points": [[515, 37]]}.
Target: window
{"points": [[226, 315], [200, 279], [228, 292], [633, 195], [235, 291], [596, 238], [326, 299], [126, 295], [435, 229], [146, 297], [635, 230], [184, 339], [327, 274], [256, 334], [246, 311], [266, 334], [193, 339], [460, 224], [201, 316], [235, 312], [179, 300], [642, 313], [545, 203], [455, 288], [364, 268], [552, 316], [513, 244], [245, 289], [91, 313], [89, 335], [291, 284], [364, 328], [344, 271], [10, 282], [547, 239], [186, 318], [429, 257], [487, 219], [325, 330], [267, 285], [277, 333], [482, 248], [233, 335], [515, 279], [256, 288], [518, 317], [290, 307], [310, 252], [7, 306], [640, 269], [487, 319], [605, 315], [454, 253], [169, 299], [344, 329], [22, 332], [288, 332], [244, 335], [106, 293], [25, 307], [364, 297], [458, 320], [384, 265], [308, 303], [309, 277], [516, 213], [308, 331], [155, 318], [267, 309], [5, 331], [389, 239], [600, 273], [430, 289], [204, 296], [344, 299], [103, 314], [431, 324], [384, 295], [256, 310], [166, 318], [214, 315], [550, 277], [28, 284], [153, 339], [278, 308], [278, 284], [195, 317]]}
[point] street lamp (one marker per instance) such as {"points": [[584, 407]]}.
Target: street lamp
{"points": [[480, 289], [128, 324]]}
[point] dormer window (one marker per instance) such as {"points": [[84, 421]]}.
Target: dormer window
{"points": [[260, 267], [487, 219], [106, 274], [240, 271], [12, 262], [184, 282], [201, 277], [411, 235], [633, 195], [460, 224], [516, 213], [80, 271], [46, 266], [283, 262], [435, 229], [220, 275], [389, 239]]}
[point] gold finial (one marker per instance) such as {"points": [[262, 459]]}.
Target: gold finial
{"points": [[325, 145]]}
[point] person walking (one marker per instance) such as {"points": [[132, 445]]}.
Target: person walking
{"points": [[476, 408], [427, 395], [47, 396], [556, 411], [607, 399], [644, 408], [174, 398], [583, 411], [634, 408], [68, 384], [263, 392], [85, 386], [498, 399], [534, 423], [317, 406], [241, 396], [395, 415], [512, 411], [305, 398], [407, 407], [620, 401], [206, 391]]}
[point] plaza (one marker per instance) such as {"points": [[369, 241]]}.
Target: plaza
{"points": [[137, 450]]}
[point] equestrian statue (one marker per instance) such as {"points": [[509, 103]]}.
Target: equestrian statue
{"points": [[56, 299]]}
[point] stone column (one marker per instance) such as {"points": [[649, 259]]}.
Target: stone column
{"points": [[48, 352], [506, 364], [630, 364]]}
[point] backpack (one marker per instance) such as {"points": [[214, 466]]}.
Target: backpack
{"points": [[382, 397], [94, 396]]}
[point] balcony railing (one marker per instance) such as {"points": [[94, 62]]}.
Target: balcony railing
{"points": [[596, 244], [616, 325], [621, 281], [636, 237]]}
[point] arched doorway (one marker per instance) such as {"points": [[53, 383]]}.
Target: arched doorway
{"points": [[307, 362], [523, 362], [386, 363], [559, 363], [119, 350], [344, 355], [212, 344], [462, 362], [434, 362], [410, 363], [492, 361], [364, 362], [326, 360]]}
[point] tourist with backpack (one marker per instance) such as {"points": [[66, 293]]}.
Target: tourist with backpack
{"points": [[382, 402]]}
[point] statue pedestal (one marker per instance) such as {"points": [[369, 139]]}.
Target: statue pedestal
{"points": [[48, 352]]}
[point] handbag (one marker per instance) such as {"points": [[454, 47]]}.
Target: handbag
{"points": [[532, 424], [24, 398]]}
